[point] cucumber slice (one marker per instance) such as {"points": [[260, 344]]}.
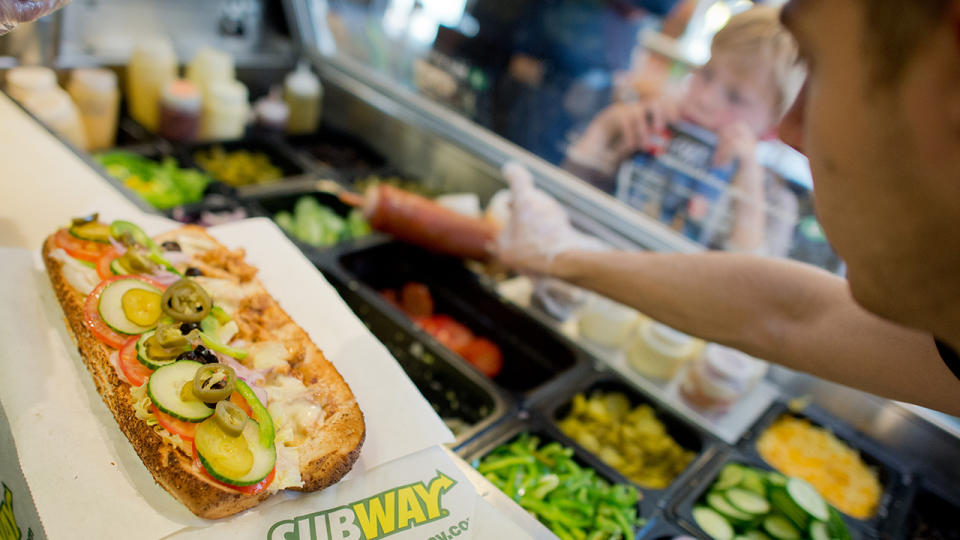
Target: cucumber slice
{"points": [[93, 231], [215, 461], [836, 527], [776, 479], [747, 501], [718, 502], [818, 531], [712, 523], [731, 476], [117, 268], [755, 481], [165, 386], [807, 498], [145, 358], [780, 528], [111, 308], [782, 502], [755, 534]]}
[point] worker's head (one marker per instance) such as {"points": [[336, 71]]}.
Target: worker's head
{"points": [[753, 75], [879, 119]]}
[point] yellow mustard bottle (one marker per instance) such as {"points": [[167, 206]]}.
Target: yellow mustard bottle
{"points": [[152, 65]]}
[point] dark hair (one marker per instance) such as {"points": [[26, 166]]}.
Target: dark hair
{"points": [[895, 30]]}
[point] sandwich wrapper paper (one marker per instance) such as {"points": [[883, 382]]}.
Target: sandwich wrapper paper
{"points": [[86, 481]]}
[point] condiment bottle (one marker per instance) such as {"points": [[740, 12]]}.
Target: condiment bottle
{"points": [[180, 109], [210, 65], [23, 81], [606, 322], [97, 97], [271, 112], [303, 93], [225, 111], [718, 378], [56, 110], [152, 65], [659, 351]]}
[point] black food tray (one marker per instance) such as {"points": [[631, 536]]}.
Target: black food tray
{"points": [[661, 528], [535, 424], [932, 514], [289, 163], [692, 438], [894, 476], [681, 509], [535, 357], [450, 388], [334, 149]]}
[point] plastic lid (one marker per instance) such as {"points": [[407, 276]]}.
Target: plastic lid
{"points": [[665, 339], [302, 81], [95, 79], [729, 364], [272, 112], [227, 93], [181, 94], [23, 80]]}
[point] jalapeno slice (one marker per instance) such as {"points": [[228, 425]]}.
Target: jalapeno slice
{"points": [[214, 382], [231, 418], [186, 301], [136, 262], [129, 233]]}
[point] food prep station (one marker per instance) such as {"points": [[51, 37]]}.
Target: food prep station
{"points": [[372, 128]]}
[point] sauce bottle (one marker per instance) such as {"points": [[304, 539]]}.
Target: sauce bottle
{"points": [[23, 81], [225, 111], [97, 97], [152, 65], [180, 108], [210, 65], [303, 93]]}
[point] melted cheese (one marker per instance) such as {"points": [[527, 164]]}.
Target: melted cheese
{"points": [[268, 355], [292, 408], [80, 276], [227, 293], [192, 244], [288, 468]]}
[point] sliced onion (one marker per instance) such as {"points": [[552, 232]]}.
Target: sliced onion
{"points": [[165, 276], [118, 246]]}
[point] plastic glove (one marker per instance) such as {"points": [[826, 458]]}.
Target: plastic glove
{"points": [[538, 229], [14, 12]]}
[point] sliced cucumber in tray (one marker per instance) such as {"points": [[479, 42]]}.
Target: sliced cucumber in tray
{"points": [[780, 528], [713, 523]]}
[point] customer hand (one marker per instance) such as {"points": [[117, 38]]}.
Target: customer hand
{"points": [[538, 229], [621, 130], [13, 12], [736, 142]]}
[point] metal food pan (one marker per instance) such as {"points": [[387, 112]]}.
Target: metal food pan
{"points": [[688, 436], [535, 424], [661, 528], [535, 357], [450, 388], [893, 476], [284, 158], [681, 508], [334, 149], [932, 513]]}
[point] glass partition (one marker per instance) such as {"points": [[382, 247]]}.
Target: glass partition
{"points": [[549, 74]]}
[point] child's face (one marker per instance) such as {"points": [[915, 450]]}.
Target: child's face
{"points": [[730, 89]]}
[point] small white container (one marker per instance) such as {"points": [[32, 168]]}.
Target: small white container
{"points": [[25, 81], [719, 377], [659, 351], [97, 96], [225, 111], [56, 110], [606, 322]]}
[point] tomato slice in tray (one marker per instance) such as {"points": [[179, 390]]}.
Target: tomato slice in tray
{"points": [[103, 263], [132, 369], [85, 250], [445, 329], [485, 355], [186, 430], [247, 490], [91, 312]]}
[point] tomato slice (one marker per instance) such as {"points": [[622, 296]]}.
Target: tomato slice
{"points": [[91, 312], [103, 263], [132, 369], [448, 331], [415, 300], [78, 248], [238, 400], [186, 430], [247, 490], [485, 355]]}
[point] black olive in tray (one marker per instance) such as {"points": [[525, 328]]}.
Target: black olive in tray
{"points": [[465, 401], [463, 312]]}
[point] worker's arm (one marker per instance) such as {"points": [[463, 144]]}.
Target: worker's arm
{"points": [[782, 311]]}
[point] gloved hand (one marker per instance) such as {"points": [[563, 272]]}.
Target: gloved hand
{"points": [[14, 12]]}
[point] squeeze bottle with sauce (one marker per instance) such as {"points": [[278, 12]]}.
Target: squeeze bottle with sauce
{"points": [[180, 111], [208, 66], [24, 81], [303, 93], [97, 97], [225, 111], [152, 65]]}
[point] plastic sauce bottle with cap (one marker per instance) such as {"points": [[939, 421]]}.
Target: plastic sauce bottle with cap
{"points": [[180, 108], [659, 351], [225, 111], [97, 97], [24, 81], [208, 66], [719, 377], [152, 65], [56, 110], [271, 112], [303, 93]]}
